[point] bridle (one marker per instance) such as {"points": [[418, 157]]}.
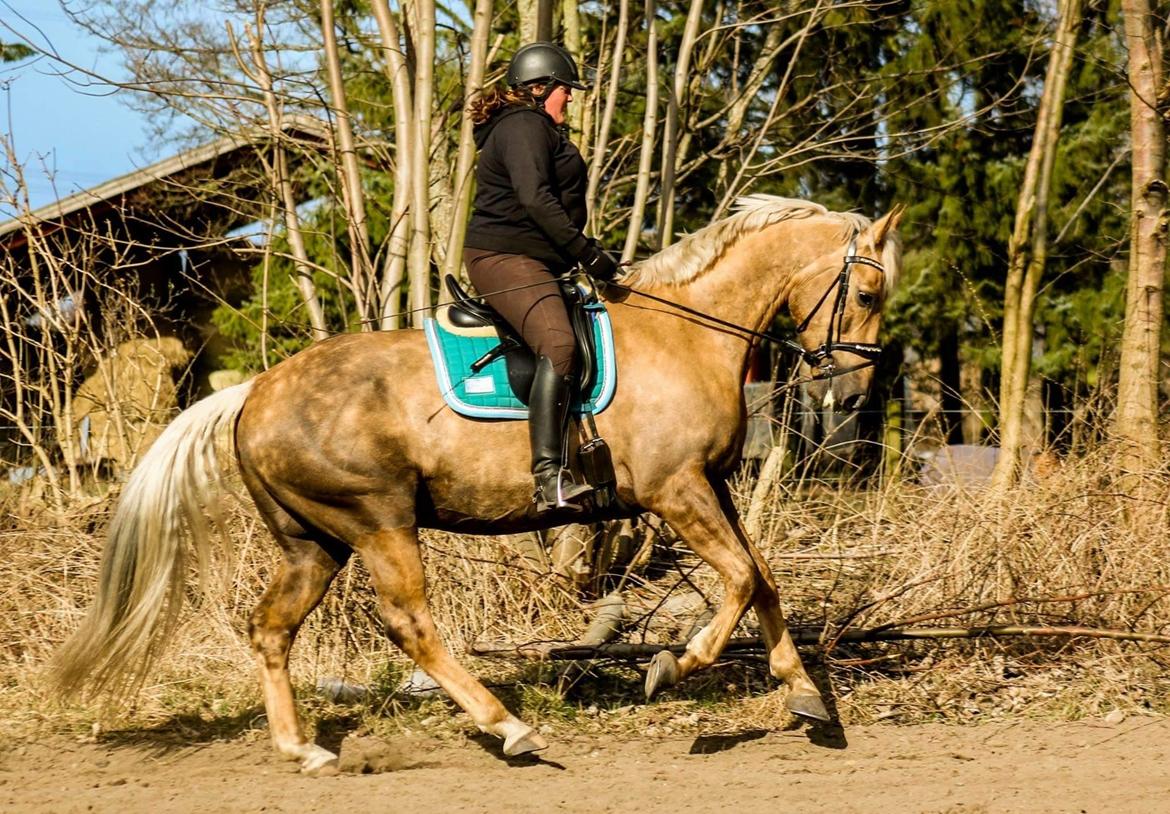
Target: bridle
{"points": [[820, 359]]}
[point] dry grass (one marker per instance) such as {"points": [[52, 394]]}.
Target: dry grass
{"points": [[1068, 548]]}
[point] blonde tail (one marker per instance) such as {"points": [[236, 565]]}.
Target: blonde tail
{"points": [[140, 588]]}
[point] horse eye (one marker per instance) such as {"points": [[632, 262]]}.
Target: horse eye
{"points": [[866, 299]]}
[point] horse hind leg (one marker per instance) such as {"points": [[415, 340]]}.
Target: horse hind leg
{"points": [[394, 561], [301, 581]]}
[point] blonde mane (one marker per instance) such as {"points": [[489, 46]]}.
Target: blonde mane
{"points": [[684, 261]]}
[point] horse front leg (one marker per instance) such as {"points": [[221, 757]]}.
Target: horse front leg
{"points": [[691, 507], [783, 660]]}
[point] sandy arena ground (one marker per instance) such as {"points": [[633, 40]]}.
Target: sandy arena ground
{"points": [[1025, 766]]}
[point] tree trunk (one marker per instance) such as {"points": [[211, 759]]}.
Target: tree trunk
{"points": [[527, 11], [361, 266], [1137, 397], [440, 192], [598, 158], [670, 139], [894, 433], [571, 26], [394, 271], [282, 184], [950, 386], [1028, 249], [461, 188], [544, 20], [420, 241], [771, 470], [649, 131]]}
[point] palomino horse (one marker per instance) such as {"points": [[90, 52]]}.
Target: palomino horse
{"points": [[348, 446]]}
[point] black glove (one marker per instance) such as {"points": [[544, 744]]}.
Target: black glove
{"points": [[597, 262]]}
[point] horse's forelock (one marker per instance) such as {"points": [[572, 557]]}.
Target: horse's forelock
{"points": [[892, 260], [890, 257]]}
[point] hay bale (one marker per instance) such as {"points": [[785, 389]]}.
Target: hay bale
{"points": [[123, 407], [223, 379]]}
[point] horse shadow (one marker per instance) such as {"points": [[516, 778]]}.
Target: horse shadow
{"points": [[826, 734], [490, 744], [611, 686], [185, 730], [722, 742]]}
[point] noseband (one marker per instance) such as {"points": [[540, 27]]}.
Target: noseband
{"points": [[820, 359]]}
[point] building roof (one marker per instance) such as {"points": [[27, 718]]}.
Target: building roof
{"points": [[217, 157]]}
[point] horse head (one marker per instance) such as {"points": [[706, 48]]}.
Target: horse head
{"points": [[837, 303]]}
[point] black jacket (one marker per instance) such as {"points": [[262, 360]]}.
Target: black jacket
{"points": [[530, 188]]}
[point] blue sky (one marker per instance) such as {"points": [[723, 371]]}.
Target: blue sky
{"points": [[68, 135]]}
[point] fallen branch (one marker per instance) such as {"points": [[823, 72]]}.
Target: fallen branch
{"points": [[1004, 603], [754, 646]]}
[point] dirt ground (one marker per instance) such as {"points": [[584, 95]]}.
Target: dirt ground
{"points": [[1024, 766]]}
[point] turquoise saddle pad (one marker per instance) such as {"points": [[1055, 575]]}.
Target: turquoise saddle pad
{"points": [[487, 394]]}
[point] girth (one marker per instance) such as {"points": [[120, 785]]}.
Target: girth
{"points": [[469, 312]]}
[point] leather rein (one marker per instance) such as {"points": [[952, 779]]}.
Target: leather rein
{"points": [[820, 359]]}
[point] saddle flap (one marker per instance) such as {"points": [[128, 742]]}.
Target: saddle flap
{"points": [[577, 302]]}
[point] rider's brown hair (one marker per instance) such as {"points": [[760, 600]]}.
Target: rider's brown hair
{"points": [[500, 97]]}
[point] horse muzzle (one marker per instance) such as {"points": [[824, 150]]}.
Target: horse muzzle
{"points": [[840, 392]]}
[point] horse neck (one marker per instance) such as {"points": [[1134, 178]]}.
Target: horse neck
{"points": [[754, 278]]}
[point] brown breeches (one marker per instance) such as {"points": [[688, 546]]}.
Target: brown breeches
{"points": [[524, 292]]}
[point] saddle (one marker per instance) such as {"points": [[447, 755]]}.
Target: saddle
{"points": [[466, 326], [469, 313]]}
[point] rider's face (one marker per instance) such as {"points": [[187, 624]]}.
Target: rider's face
{"points": [[558, 102]]}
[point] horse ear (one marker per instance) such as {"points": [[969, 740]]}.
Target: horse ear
{"points": [[888, 223]]}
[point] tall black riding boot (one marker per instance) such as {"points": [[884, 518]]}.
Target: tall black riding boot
{"points": [[548, 413]]}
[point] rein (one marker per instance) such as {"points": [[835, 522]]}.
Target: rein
{"points": [[820, 359]]}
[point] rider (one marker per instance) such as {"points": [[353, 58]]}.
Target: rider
{"points": [[527, 230]]}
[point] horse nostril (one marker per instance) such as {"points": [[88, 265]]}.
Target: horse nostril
{"points": [[853, 403]]}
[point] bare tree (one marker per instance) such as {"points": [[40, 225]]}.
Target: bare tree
{"points": [[575, 44], [394, 62], [464, 167], [279, 172], [85, 381], [528, 12], [424, 86], [1028, 249], [597, 161], [670, 138], [649, 134], [363, 281], [1137, 398]]}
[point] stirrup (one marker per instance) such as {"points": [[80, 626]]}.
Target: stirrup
{"points": [[567, 490]]}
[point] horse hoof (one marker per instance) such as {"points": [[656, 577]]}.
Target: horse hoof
{"points": [[524, 743], [319, 763], [662, 673], [329, 769], [808, 706]]}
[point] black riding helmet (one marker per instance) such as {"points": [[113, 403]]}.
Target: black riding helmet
{"points": [[544, 62]]}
